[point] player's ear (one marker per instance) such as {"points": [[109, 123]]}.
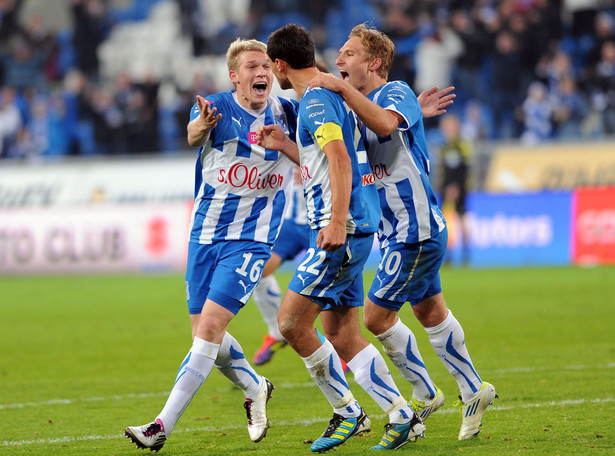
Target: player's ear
{"points": [[376, 64], [232, 74], [281, 65]]}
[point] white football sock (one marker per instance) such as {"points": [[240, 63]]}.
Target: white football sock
{"points": [[325, 367], [448, 341], [399, 343], [372, 374], [267, 297], [192, 374], [232, 363]]}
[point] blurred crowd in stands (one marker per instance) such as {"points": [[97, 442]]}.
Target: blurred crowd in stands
{"points": [[527, 70]]}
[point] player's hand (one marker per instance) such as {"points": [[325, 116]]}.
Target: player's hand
{"points": [[331, 237], [271, 137], [434, 103], [208, 116], [327, 81]]}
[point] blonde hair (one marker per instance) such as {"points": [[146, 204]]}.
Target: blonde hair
{"points": [[239, 46], [376, 45]]}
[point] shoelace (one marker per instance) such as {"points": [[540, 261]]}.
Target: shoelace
{"points": [[248, 406], [417, 405], [152, 429], [333, 425], [459, 404]]}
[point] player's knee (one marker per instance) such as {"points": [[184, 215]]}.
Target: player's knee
{"points": [[374, 325], [431, 311], [286, 326]]}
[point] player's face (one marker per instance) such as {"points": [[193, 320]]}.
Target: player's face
{"points": [[253, 79], [352, 63], [281, 77]]}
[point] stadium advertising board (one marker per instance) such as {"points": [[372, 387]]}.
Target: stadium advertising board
{"points": [[519, 230], [94, 239], [551, 167], [62, 184], [594, 222]]}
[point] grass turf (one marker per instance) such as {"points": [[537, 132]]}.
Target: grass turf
{"points": [[81, 357]]}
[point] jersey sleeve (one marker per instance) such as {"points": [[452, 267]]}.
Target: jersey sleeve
{"points": [[318, 110], [399, 97]]}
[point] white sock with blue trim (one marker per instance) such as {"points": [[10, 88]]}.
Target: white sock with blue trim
{"points": [[399, 343], [267, 297], [232, 363], [325, 367], [193, 372], [448, 340], [372, 374]]}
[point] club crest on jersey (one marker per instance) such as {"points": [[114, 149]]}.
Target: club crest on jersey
{"points": [[281, 121], [240, 175]]}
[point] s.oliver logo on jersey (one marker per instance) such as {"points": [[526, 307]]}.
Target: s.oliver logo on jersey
{"points": [[380, 170], [239, 175], [368, 179]]}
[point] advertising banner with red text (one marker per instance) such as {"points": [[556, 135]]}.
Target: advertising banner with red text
{"points": [[594, 220]]}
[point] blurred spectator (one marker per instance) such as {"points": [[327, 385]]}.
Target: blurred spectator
{"points": [[435, 56], [477, 122], [455, 156], [90, 28], [536, 113], [467, 71], [10, 121], [603, 85], [107, 121], [400, 26], [23, 64], [569, 109], [505, 84], [604, 27]]}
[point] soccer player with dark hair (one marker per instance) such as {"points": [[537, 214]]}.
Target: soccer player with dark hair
{"points": [[343, 212]]}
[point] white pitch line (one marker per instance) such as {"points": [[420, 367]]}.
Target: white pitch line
{"points": [[287, 385], [302, 422]]}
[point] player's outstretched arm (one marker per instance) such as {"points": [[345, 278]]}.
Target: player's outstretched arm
{"points": [[333, 236], [200, 127], [272, 137], [434, 103], [380, 121]]}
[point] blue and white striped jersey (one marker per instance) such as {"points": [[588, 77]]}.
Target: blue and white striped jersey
{"points": [[400, 163], [319, 107], [241, 189], [296, 210]]}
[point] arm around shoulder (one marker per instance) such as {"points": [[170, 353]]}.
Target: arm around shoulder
{"points": [[379, 120]]}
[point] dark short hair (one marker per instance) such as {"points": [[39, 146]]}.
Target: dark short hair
{"points": [[293, 44]]}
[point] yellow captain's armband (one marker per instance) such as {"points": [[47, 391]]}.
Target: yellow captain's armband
{"points": [[327, 133]]}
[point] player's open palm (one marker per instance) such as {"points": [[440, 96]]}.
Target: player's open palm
{"points": [[208, 115]]}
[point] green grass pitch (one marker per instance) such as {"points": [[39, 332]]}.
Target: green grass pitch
{"points": [[82, 357]]}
